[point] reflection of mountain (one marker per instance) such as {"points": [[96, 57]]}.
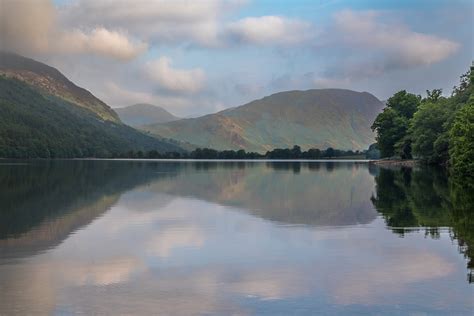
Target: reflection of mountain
{"points": [[43, 202], [426, 199], [295, 193], [49, 233]]}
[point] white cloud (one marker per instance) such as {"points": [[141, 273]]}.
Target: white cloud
{"points": [[401, 46], [269, 30], [160, 21], [368, 44], [145, 11], [193, 22], [30, 27], [101, 41], [175, 80]]}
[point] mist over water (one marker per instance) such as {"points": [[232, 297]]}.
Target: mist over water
{"points": [[261, 237]]}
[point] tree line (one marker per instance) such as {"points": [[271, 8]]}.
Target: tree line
{"points": [[434, 129], [278, 153]]}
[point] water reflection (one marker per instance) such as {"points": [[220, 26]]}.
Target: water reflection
{"points": [[427, 199], [42, 202], [335, 195], [231, 238], [76, 192]]}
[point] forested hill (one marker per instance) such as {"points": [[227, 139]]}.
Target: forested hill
{"points": [[40, 122], [318, 118]]}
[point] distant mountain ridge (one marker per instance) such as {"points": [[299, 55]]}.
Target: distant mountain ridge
{"points": [[142, 113], [317, 118], [44, 115]]}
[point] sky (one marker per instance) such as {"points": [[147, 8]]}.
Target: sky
{"points": [[198, 57]]}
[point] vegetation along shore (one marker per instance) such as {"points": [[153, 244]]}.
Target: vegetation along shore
{"points": [[433, 130]]}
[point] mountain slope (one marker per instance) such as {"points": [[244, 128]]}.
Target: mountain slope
{"points": [[37, 119], [312, 119], [50, 81], [142, 114]]}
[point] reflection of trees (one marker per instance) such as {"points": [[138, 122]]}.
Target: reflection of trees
{"points": [[463, 223], [427, 199]]}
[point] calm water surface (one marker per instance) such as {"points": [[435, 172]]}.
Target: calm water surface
{"points": [[181, 238]]}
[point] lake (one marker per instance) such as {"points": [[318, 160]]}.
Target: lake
{"points": [[264, 238]]}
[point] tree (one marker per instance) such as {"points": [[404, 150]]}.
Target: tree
{"points": [[465, 81], [330, 152], [433, 95], [313, 153], [296, 152], [428, 129], [373, 152], [404, 103], [390, 128], [153, 154], [392, 125], [240, 154], [462, 141]]}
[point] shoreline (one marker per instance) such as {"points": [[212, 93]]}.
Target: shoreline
{"points": [[384, 163], [409, 163], [188, 160]]}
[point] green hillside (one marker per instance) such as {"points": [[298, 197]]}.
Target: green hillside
{"points": [[50, 81], [33, 125], [311, 119], [141, 114]]}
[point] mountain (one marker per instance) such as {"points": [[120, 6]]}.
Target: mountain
{"points": [[50, 81], [141, 114], [43, 114], [317, 118]]}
